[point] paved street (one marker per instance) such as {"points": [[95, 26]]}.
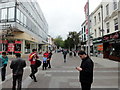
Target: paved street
{"points": [[64, 75]]}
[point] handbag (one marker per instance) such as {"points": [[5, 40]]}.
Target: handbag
{"points": [[38, 63]]}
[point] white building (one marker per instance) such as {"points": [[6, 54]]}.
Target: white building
{"points": [[23, 26]]}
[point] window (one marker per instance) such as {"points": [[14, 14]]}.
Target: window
{"points": [[107, 9], [11, 14], [100, 32], [116, 24], [95, 20], [21, 18], [99, 16], [95, 33], [0, 15], [108, 27], [84, 29], [4, 0], [18, 14], [4, 14], [114, 4]]}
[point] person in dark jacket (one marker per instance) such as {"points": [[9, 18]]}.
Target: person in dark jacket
{"points": [[17, 66], [49, 59], [4, 60], [86, 71], [64, 55]]}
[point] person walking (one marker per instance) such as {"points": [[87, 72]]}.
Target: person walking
{"points": [[46, 54], [17, 66], [4, 60], [32, 58], [44, 63], [64, 55], [86, 71], [49, 59]]}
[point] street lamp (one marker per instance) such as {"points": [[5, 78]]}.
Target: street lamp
{"points": [[102, 30]]}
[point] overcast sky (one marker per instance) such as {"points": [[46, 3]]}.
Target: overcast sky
{"points": [[64, 16]]}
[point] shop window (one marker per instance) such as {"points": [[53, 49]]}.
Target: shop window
{"points": [[11, 13]]}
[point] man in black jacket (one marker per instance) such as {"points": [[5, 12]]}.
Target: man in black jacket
{"points": [[17, 65], [86, 71]]}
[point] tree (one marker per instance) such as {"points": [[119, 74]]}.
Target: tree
{"points": [[72, 40], [59, 42]]}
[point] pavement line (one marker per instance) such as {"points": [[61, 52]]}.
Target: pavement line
{"points": [[78, 71], [9, 76]]}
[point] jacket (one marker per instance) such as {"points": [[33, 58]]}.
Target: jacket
{"points": [[32, 58], [4, 60], [17, 65], [86, 75]]}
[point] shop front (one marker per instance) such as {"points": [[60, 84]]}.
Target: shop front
{"points": [[10, 46], [112, 46], [98, 47]]}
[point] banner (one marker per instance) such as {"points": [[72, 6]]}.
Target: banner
{"points": [[11, 47], [86, 16]]}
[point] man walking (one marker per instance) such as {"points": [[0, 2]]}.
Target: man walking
{"points": [[49, 59], [64, 55], [86, 71], [17, 66], [4, 60], [32, 58]]}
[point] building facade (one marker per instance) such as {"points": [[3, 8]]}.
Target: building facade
{"points": [[22, 26], [97, 31], [105, 30], [111, 38]]}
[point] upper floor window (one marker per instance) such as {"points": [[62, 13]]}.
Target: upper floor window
{"points": [[95, 33], [99, 31], [116, 24], [11, 14], [84, 29], [4, 14], [95, 20], [107, 9], [4, 0], [108, 27], [99, 16], [115, 4]]}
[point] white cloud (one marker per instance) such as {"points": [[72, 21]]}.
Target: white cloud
{"points": [[65, 15]]}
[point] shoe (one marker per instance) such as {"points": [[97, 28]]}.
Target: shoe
{"points": [[31, 76], [35, 80], [3, 79]]}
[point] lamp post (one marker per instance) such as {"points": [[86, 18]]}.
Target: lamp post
{"points": [[88, 31], [102, 22]]}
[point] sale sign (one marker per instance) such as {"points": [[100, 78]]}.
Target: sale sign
{"points": [[11, 47]]}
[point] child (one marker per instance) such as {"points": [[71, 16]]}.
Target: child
{"points": [[44, 62]]}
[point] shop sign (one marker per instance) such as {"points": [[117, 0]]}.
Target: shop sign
{"points": [[4, 41], [11, 47], [100, 47], [18, 42], [112, 36], [17, 51]]}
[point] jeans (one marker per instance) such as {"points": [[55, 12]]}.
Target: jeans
{"points": [[33, 71], [17, 78], [3, 72], [86, 86]]}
